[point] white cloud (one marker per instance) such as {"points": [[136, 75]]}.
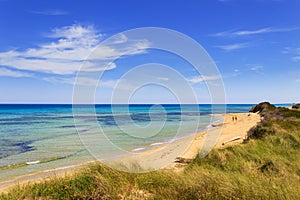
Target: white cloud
{"points": [[256, 68], [11, 73], [297, 80], [233, 46], [71, 46], [254, 32], [77, 31], [120, 38], [107, 52], [199, 79], [60, 80]]}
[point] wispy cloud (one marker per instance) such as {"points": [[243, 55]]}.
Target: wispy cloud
{"points": [[253, 32], [199, 79], [54, 12], [231, 47], [256, 68], [232, 33], [71, 47], [65, 80], [11, 73], [294, 52], [83, 81], [236, 72], [296, 58]]}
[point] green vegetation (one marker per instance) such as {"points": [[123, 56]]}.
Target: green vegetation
{"points": [[265, 167]]}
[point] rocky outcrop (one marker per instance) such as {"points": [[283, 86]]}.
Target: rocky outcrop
{"points": [[296, 106], [272, 120], [261, 108]]}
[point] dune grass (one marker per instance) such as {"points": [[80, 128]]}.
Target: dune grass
{"points": [[263, 168]]}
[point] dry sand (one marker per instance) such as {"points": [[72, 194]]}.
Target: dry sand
{"points": [[189, 148], [161, 157], [229, 129]]}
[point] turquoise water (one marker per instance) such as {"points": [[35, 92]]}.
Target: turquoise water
{"points": [[48, 133]]}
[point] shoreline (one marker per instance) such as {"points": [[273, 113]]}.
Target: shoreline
{"points": [[162, 155], [229, 129], [188, 148]]}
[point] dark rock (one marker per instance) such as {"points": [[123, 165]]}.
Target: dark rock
{"points": [[183, 160], [296, 106], [262, 107], [268, 167]]}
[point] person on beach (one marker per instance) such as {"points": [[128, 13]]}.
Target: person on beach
{"points": [[235, 118]]}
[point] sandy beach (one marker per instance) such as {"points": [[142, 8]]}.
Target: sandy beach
{"points": [[219, 136], [162, 156], [230, 129]]}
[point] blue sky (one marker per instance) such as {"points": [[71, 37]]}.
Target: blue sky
{"points": [[255, 45]]}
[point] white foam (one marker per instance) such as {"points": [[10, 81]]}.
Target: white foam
{"points": [[156, 144], [33, 162], [138, 149]]}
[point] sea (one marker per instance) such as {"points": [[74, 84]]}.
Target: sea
{"points": [[38, 137]]}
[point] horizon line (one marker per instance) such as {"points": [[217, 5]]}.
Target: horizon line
{"points": [[135, 103]]}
